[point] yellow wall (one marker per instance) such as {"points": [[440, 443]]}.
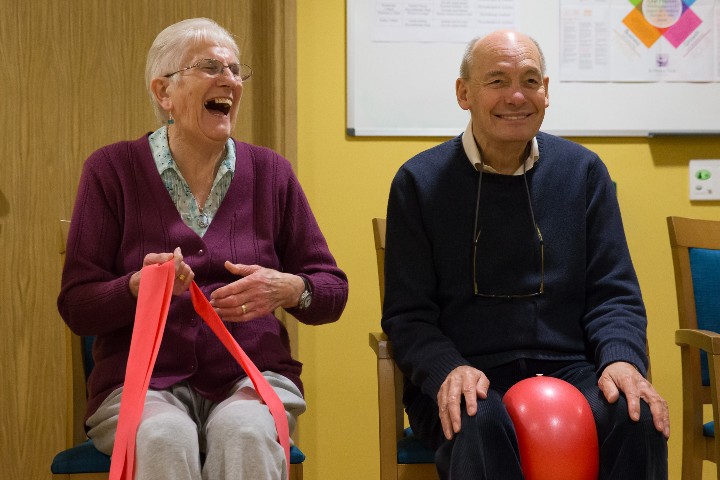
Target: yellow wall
{"points": [[347, 180]]}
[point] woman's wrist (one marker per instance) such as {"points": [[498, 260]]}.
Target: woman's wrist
{"points": [[296, 288]]}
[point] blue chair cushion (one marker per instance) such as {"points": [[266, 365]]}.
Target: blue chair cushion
{"points": [[296, 456], [705, 268], [411, 450], [709, 430], [85, 458], [87, 358]]}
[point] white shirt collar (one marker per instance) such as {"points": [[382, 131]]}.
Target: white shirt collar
{"points": [[472, 152], [160, 148]]}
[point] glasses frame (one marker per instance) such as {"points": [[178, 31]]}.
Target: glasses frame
{"points": [[243, 67], [476, 238]]}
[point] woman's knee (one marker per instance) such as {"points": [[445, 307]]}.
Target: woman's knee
{"points": [[245, 421], [168, 431]]}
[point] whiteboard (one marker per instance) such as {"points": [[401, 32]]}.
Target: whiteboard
{"points": [[408, 88]]}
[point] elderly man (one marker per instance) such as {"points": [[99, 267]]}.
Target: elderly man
{"points": [[506, 258]]}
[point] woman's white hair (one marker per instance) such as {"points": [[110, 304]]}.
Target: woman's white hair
{"points": [[169, 47]]}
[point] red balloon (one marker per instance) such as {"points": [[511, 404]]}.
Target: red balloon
{"points": [[555, 430]]}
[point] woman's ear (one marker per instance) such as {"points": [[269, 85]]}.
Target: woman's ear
{"points": [[161, 87]]}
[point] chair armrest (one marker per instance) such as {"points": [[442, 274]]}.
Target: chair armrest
{"points": [[381, 345], [702, 339]]}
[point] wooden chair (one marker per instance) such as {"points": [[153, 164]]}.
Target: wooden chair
{"points": [[81, 460], [695, 248], [402, 456]]}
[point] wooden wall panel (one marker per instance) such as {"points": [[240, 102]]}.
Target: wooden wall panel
{"points": [[71, 81]]}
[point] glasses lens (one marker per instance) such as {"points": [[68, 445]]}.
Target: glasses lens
{"points": [[215, 67], [245, 71], [517, 274], [210, 66], [234, 69], [508, 270]]}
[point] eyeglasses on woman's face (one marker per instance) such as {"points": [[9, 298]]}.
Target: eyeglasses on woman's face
{"points": [[213, 68]]}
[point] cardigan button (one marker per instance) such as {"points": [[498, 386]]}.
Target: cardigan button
{"points": [[201, 252]]}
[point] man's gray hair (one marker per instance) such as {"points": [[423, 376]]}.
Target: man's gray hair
{"points": [[467, 60], [170, 46]]}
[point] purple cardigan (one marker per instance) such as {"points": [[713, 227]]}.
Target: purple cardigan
{"points": [[123, 212]]}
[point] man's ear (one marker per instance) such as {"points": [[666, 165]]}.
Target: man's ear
{"points": [[461, 94], [160, 88]]}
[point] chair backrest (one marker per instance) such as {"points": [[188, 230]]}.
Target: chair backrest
{"points": [[379, 233], [384, 345], [79, 363], [695, 246]]}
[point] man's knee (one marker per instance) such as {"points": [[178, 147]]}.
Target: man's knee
{"points": [[619, 420], [490, 421]]}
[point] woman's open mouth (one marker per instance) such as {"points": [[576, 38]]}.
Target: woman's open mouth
{"points": [[221, 105]]}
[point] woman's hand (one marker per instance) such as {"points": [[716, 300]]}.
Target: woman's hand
{"points": [[183, 273], [259, 292]]}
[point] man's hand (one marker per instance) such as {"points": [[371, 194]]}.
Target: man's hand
{"points": [[466, 382], [624, 377]]}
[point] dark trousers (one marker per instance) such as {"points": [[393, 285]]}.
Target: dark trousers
{"points": [[486, 446]]}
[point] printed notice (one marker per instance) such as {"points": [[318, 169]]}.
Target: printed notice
{"points": [[639, 41], [440, 20]]}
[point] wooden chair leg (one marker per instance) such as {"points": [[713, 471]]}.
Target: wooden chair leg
{"points": [[296, 471], [691, 464]]}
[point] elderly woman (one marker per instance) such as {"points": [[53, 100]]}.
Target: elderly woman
{"points": [[232, 217]]}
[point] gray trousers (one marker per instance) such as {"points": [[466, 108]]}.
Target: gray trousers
{"points": [[237, 435]]}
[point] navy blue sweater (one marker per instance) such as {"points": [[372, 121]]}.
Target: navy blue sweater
{"points": [[591, 308]]}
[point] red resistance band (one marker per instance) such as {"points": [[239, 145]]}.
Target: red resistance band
{"points": [[152, 310]]}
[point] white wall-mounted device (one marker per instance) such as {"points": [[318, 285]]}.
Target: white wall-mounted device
{"points": [[704, 179]]}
